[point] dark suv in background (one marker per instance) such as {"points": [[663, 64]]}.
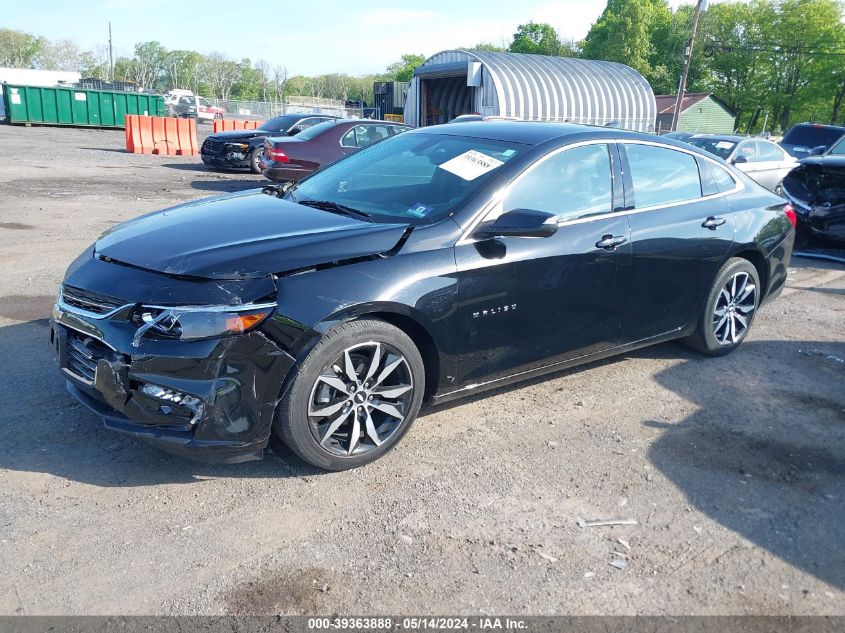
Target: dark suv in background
{"points": [[809, 139], [243, 148]]}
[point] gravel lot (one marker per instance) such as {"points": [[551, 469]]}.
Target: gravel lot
{"points": [[733, 467]]}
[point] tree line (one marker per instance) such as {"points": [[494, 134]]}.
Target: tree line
{"points": [[772, 61]]}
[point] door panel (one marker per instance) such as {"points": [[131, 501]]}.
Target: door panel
{"points": [[528, 302], [674, 257]]}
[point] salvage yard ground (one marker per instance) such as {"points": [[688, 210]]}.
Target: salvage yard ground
{"points": [[733, 468]]}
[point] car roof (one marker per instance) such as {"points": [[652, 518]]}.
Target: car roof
{"points": [[808, 124], [371, 121], [532, 132], [733, 138]]}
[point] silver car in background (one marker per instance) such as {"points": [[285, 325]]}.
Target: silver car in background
{"points": [[764, 161]]}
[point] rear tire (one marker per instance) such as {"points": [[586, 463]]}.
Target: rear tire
{"points": [[354, 396], [729, 309]]}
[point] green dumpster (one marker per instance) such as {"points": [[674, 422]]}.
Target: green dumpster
{"points": [[74, 106]]}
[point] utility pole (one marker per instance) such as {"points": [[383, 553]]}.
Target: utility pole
{"points": [[699, 7], [111, 57]]}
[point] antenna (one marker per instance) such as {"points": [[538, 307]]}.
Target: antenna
{"points": [[111, 57]]}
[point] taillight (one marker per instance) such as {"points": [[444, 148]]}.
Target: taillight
{"points": [[789, 210], [276, 155]]}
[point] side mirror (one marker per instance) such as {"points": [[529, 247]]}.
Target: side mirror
{"points": [[818, 151], [519, 223], [740, 159]]}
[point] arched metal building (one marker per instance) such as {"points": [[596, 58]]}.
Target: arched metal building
{"points": [[530, 87]]}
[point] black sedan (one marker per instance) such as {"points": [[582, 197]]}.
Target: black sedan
{"points": [[430, 266], [243, 148]]}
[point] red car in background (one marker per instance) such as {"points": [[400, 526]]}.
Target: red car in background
{"points": [[291, 158]]}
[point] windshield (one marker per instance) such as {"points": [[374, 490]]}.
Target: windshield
{"points": [[811, 136], [413, 178], [279, 123], [838, 149], [716, 146], [315, 130]]}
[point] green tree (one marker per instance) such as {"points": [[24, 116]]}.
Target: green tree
{"points": [[403, 70], [487, 46], [732, 68], [19, 49], [539, 39], [629, 31], [146, 68], [181, 69], [798, 71]]}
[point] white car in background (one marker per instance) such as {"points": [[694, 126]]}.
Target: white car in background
{"points": [[766, 162], [184, 103]]}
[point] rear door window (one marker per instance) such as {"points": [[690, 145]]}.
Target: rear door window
{"points": [[369, 134], [768, 152], [662, 176]]}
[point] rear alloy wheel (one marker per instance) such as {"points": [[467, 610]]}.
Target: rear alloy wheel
{"points": [[218, 116], [354, 396], [254, 158], [729, 310]]}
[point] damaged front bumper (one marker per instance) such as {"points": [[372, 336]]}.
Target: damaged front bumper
{"points": [[223, 154], [211, 400]]}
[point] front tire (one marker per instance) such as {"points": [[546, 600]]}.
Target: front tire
{"points": [[254, 157], [353, 397], [729, 310]]}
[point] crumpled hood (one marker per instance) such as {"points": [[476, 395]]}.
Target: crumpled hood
{"points": [[818, 180], [244, 235], [236, 135]]}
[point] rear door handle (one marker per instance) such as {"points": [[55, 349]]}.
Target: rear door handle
{"points": [[610, 242], [713, 223]]}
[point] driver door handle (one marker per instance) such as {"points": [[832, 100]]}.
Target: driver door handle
{"points": [[713, 223], [610, 242]]}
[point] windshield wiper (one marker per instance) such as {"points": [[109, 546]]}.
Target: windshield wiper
{"points": [[334, 207]]}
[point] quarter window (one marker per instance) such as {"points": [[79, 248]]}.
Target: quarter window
{"points": [[724, 181], [661, 175], [572, 184], [348, 139]]}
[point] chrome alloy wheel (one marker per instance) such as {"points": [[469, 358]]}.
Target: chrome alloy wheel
{"points": [[734, 308], [360, 400]]}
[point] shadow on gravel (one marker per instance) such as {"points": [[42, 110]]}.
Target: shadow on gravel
{"points": [[192, 166], [118, 150], [45, 430], [764, 455], [228, 186]]}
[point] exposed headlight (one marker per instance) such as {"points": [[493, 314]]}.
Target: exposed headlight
{"points": [[191, 323], [241, 146]]}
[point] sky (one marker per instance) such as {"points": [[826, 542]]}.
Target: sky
{"points": [[354, 37]]}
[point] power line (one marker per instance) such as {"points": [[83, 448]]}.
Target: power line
{"points": [[712, 49]]}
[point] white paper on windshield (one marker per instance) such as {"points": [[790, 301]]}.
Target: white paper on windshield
{"points": [[470, 165], [724, 145]]}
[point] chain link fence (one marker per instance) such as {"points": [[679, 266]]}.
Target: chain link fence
{"points": [[264, 110]]}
